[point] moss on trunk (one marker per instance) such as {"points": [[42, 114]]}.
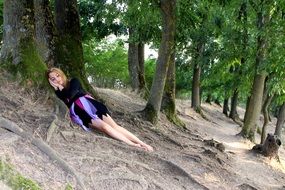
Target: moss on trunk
{"points": [[31, 68]]}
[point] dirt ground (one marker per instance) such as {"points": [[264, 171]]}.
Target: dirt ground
{"points": [[183, 159]]}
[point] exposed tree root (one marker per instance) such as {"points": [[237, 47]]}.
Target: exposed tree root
{"points": [[12, 127], [52, 128]]}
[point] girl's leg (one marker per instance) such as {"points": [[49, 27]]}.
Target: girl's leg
{"points": [[108, 119], [107, 129]]}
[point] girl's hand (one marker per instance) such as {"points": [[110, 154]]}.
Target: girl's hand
{"points": [[54, 85]]}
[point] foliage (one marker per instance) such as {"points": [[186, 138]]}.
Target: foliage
{"points": [[99, 19], [106, 63], [149, 71], [14, 179]]}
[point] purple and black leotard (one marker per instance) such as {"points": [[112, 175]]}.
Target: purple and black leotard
{"points": [[82, 107]]}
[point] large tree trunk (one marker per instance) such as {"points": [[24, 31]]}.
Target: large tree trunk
{"points": [[69, 49], [280, 121], [254, 107], [153, 105], [255, 102], [168, 100], [45, 31], [19, 49], [70, 52]]}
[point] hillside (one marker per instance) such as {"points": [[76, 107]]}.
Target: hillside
{"points": [[183, 159]]}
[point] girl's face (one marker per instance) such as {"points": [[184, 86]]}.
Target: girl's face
{"points": [[56, 78]]}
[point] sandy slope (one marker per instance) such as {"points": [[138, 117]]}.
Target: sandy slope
{"points": [[182, 160]]}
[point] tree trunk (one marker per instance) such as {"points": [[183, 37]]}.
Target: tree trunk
{"points": [[255, 101], [136, 63], [133, 61], [280, 121], [45, 31], [254, 107], [196, 87], [69, 44], [270, 146], [226, 106], [265, 106], [153, 105], [234, 102], [19, 50], [209, 99], [141, 73], [168, 100]]}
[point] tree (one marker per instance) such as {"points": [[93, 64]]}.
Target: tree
{"points": [[280, 121], [45, 31], [69, 49], [168, 98], [255, 101], [153, 105], [19, 50], [141, 19]]}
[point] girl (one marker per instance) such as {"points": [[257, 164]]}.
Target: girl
{"points": [[87, 112]]}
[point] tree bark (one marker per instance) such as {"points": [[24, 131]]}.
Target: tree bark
{"points": [[19, 50], [280, 121], [153, 105], [196, 87], [133, 62], [168, 101], [45, 31], [69, 49], [136, 63], [141, 73], [270, 146], [265, 106], [254, 107], [234, 102], [226, 106], [255, 102]]}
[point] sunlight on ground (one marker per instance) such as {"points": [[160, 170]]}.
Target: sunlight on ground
{"points": [[242, 147], [238, 146], [276, 165]]}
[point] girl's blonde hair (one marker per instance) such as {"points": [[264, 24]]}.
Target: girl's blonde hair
{"points": [[60, 73]]}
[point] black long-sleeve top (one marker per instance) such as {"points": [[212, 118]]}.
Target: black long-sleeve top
{"points": [[69, 94]]}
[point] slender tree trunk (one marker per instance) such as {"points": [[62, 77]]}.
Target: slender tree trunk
{"points": [[141, 73], [136, 63], [265, 106], [19, 50], [196, 87], [209, 99], [45, 31], [280, 121], [133, 62], [226, 106], [234, 102], [153, 105]]}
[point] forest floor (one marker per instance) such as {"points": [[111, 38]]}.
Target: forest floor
{"points": [[183, 158]]}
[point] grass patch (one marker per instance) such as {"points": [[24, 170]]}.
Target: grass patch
{"points": [[14, 179]]}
